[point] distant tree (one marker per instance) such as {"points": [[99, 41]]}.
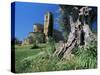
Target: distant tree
{"points": [[64, 21], [16, 41], [36, 37]]}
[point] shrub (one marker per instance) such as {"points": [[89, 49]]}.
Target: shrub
{"points": [[35, 45], [51, 45], [36, 36], [87, 57]]}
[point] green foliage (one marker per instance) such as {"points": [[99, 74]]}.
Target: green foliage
{"points": [[39, 37], [38, 60], [35, 45], [22, 52], [51, 45], [87, 57], [36, 37], [42, 59], [16, 41], [65, 35], [64, 20]]}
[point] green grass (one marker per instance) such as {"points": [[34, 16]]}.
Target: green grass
{"points": [[22, 52], [41, 59]]}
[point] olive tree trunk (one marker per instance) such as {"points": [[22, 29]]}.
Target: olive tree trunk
{"points": [[80, 34]]}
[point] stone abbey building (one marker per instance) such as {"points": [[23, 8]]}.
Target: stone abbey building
{"points": [[41, 33]]}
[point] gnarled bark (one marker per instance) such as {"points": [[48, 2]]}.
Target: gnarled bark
{"points": [[80, 33]]}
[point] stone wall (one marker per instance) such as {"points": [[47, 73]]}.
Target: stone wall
{"points": [[37, 28], [42, 33]]}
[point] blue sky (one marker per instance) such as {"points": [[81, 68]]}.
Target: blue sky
{"points": [[27, 14]]}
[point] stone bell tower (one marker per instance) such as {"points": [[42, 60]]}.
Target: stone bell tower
{"points": [[48, 25]]}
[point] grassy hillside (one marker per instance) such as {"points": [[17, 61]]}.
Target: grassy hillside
{"points": [[41, 58]]}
